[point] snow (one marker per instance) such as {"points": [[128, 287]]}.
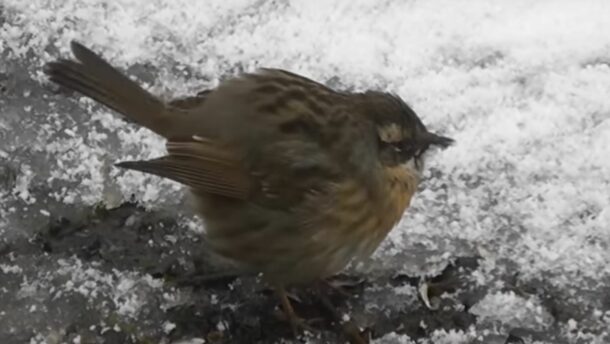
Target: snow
{"points": [[126, 289], [522, 86], [393, 338], [512, 311], [168, 327]]}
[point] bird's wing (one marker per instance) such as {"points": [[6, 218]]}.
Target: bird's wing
{"points": [[200, 164], [190, 102]]}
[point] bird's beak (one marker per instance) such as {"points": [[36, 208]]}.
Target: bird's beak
{"points": [[434, 139]]}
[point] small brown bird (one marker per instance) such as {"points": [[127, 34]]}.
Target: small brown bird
{"points": [[293, 179]]}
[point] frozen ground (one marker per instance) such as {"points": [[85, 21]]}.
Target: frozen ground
{"points": [[516, 215]]}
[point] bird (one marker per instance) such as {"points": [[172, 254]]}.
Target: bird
{"points": [[292, 179]]}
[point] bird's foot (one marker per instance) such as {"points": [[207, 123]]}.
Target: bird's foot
{"points": [[348, 326], [297, 324], [342, 284]]}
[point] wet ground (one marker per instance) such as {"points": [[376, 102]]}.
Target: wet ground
{"points": [[89, 266], [128, 275]]}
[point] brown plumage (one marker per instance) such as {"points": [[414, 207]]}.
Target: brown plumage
{"points": [[293, 179]]}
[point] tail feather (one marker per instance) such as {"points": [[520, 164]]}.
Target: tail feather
{"points": [[74, 76], [92, 76]]}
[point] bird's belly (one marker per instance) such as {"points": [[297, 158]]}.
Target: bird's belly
{"points": [[315, 241]]}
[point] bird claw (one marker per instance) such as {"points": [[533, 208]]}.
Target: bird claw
{"points": [[297, 324], [342, 285], [353, 333]]}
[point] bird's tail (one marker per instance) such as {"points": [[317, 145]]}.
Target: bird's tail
{"points": [[92, 76]]}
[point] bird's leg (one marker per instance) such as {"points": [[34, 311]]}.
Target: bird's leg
{"points": [[349, 327], [296, 323]]}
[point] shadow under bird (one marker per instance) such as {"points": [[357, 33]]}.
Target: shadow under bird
{"points": [[292, 178]]}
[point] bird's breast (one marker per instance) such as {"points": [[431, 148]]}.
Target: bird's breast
{"points": [[380, 210], [355, 219]]}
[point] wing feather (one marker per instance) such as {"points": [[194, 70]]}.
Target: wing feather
{"points": [[201, 165]]}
